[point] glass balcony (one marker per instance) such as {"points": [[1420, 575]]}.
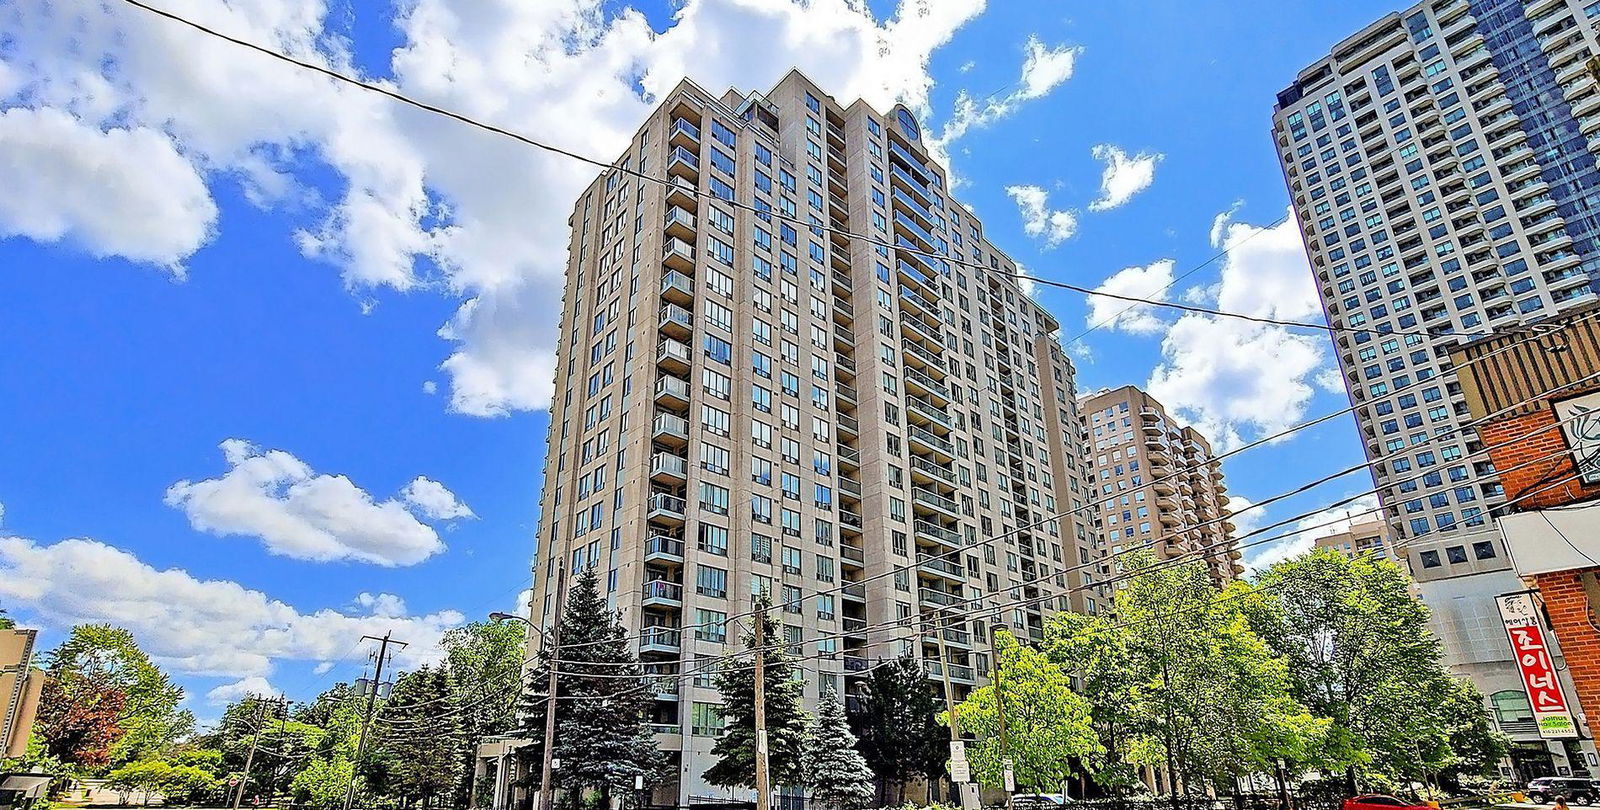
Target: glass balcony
{"points": [[683, 163], [661, 593]]}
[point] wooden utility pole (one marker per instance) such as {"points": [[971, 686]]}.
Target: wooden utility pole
{"points": [[546, 790], [250, 758], [1000, 706], [762, 796], [949, 700], [366, 717]]}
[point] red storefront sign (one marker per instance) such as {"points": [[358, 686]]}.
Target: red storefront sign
{"points": [[1532, 654]]}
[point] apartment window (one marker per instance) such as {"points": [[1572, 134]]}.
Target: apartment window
{"points": [[714, 540], [824, 568], [713, 420], [710, 625], [761, 549], [706, 720], [713, 498], [714, 458], [711, 582]]}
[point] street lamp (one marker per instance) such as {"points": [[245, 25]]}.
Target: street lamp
{"points": [[551, 644]]}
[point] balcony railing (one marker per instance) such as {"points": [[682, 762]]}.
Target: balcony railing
{"points": [[926, 437], [931, 529], [662, 589], [934, 499]]}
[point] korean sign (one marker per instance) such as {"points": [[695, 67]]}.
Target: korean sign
{"points": [[1580, 423], [1532, 654]]}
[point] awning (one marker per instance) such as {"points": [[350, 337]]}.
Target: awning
{"points": [[28, 784]]}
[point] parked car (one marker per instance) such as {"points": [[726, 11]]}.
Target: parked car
{"points": [[1547, 789], [1378, 801], [1038, 801]]}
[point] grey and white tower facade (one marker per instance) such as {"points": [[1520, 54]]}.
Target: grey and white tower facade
{"points": [[1442, 167]]}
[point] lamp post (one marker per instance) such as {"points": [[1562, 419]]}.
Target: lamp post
{"points": [[551, 643]]}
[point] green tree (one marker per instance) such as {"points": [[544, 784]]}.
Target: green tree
{"points": [[836, 773], [603, 735], [1094, 649], [189, 785], [421, 743], [1359, 653], [1210, 699], [1048, 725], [735, 750], [485, 662], [895, 720], [322, 783], [145, 777], [5, 621], [99, 672]]}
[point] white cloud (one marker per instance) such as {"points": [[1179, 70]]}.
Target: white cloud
{"points": [[967, 66], [382, 604], [1246, 517], [1123, 176], [308, 516], [322, 668], [432, 500], [194, 626], [1043, 69], [248, 686], [1308, 529], [1038, 220], [120, 192], [421, 202], [1149, 282], [1234, 379]]}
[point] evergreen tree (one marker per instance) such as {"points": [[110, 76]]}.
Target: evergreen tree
{"points": [[836, 772], [422, 742], [896, 725], [603, 736], [735, 750]]}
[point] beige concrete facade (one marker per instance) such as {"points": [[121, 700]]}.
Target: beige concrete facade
{"points": [[1362, 537], [1168, 488], [20, 687], [743, 405]]}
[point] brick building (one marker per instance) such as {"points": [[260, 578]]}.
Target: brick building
{"points": [[1533, 397]]}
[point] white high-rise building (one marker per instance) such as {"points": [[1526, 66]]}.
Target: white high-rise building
{"points": [[1442, 172], [1441, 164], [745, 405]]}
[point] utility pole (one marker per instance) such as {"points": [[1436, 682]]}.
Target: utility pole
{"points": [[761, 710], [249, 758], [546, 790], [950, 705], [366, 718], [1000, 706]]}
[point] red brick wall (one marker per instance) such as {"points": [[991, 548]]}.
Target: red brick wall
{"points": [[1568, 609], [1539, 474]]}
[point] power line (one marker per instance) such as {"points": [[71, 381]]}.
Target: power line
{"points": [[1175, 475], [922, 626], [1227, 542], [830, 229], [662, 181], [1169, 285]]}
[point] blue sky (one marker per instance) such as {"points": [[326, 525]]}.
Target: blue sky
{"points": [[218, 250]]}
